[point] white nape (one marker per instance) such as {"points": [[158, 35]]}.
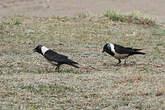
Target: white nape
{"points": [[112, 48], [44, 49]]}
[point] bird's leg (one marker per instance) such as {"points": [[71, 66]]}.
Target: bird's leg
{"points": [[125, 61], [58, 67], [118, 62]]}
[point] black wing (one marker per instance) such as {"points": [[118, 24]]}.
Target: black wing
{"points": [[123, 50], [54, 56], [134, 49]]}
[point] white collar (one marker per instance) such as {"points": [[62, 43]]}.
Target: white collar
{"points": [[112, 48], [44, 49]]}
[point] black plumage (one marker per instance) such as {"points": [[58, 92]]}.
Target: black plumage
{"points": [[120, 52], [54, 57]]}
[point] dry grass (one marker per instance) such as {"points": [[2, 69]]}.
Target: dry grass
{"points": [[133, 17], [27, 81]]}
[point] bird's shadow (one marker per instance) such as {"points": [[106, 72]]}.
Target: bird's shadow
{"points": [[66, 69], [89, 69], [129, 64], [70, 70]]}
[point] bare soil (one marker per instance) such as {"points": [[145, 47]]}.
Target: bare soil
{"points": [[46, 8]]}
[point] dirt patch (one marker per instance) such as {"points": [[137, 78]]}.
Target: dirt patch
{"points": [[46, 8]]}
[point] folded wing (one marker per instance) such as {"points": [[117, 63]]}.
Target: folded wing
{"points": [[127, 50], [50, 55]]}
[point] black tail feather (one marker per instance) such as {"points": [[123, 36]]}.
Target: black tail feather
{"points": [[137, 49], [71, 61], [142, 53], [74, 65], [133, 49]]}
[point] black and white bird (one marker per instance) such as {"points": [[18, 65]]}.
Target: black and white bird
{"points": [[54, 57], [120, 52]]}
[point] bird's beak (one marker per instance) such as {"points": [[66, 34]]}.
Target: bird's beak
{"points": [[34, 50]]}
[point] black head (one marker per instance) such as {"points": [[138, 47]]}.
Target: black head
{"points": [[38, 49], [106, 47]]}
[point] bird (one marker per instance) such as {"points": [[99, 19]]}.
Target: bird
{"points": [[119, 52], [54, 57]]}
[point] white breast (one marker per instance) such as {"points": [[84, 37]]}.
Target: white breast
{"points": [[120, 56]]}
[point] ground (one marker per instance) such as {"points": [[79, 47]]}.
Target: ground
{"points": [[28, 81], [45, 8]]}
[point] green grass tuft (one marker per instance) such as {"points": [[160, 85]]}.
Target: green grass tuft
{"points": [[13, 21], [114, 15], [133, 17]]}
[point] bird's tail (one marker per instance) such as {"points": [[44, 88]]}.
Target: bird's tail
{"points": [[73, 63], [136, 52], [137, 49]]}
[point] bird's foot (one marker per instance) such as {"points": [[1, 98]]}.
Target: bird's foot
{"points": [[118, 64], [125, 64], [57, 69]]}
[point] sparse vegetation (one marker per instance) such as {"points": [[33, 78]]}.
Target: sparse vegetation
{"points": [[27, 81], [82, 15], [12, 22], [134, 17], [52, 89], [114, 15]]}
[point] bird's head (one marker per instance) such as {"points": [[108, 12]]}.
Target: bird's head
{"points": [[38, 49], [41, 49], [106, 47]]}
